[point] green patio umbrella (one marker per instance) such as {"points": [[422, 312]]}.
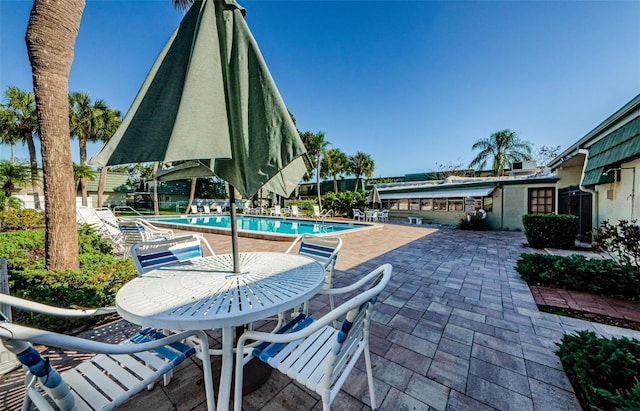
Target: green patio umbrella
{"points": [[210, 107]]}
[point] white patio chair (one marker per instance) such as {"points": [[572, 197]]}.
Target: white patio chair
{"points": [[104, 381], [322, 249], [320, 214], [384, 216], [148, 255], [136, 231], [218, 209], [194, 209], [295, 211], [88, 215], [206, 209], [358, 214], [313, 352]]}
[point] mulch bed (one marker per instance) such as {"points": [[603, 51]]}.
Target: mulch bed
{"points": [[587, 316]]}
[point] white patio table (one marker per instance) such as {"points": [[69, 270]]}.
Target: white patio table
{"points": [[205, 294]]}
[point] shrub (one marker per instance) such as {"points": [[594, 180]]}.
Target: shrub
{"points": [[550, 230], [344, 202], [94, 285], [13, 219], [621, 241], [576, 272], [604, 372]]}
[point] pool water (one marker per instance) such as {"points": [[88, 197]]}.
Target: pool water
{"points": [[287, 226]]}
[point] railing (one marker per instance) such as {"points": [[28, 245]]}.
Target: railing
{"points": [[127, 208]]}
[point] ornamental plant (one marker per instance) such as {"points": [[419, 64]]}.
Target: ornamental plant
{"points": [[620, 241]]}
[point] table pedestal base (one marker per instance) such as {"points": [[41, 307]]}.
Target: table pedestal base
{"points": [[255, 374]]}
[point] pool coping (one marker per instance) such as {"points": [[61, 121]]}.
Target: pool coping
{"points": [[260, 234]]}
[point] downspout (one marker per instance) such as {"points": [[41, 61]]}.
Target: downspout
{"points": [[594, 218]]}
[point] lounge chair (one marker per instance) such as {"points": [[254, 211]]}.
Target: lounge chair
{"points": [[383, 217], [320, 214], [206, 209], [313, 352], [149, 255], [88, 215], [295, 211], [104, 381], [194, 209], [136, 231]]}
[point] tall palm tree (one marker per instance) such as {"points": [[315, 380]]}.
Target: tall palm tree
{"points": [[12, 177], [111, 120], [316, 145], [503, 147], [361, 165], [51, 35], [335, 163], [90, 122], [21, 122], [7, 134]]}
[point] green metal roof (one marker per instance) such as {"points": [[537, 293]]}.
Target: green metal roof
{"points": [[616, 147], [114, 183]]}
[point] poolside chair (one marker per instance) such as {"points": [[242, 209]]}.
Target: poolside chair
{"points": [[103, 382], [384, 216], [88, 215], [148, 255], [357, 214], [276, 211], [218, 209], [295, 211], [313, 352], [206, 209], [320, 214], [194, 209], [322, 249], [136, 231]]}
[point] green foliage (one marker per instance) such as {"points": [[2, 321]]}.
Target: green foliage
{"points": [[621, 241], [550, 230], [576, 272], [342, 203], [475, 222], [13, 219], [603, 372], [94, 285]]}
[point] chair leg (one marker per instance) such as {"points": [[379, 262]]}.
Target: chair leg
{"points": [[372, 393]]}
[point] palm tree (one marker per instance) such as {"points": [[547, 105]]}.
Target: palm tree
{"points": [[19, 118], [90, 122], [111, 120], [504, 147], [51, 35], [7, 134], [361, 165], [316, 145], [12, 177], [335, 163]]}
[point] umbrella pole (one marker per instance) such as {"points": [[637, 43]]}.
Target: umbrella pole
{"points": [[234, 228]]}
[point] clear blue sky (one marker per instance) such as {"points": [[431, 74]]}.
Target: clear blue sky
{"points": [[411, 83]]}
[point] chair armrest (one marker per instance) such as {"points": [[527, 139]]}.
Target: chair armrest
{"points": [[9, 332], [50, 310]]}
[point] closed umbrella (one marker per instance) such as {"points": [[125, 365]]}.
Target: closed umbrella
{"points": [[374, 196], [210, 107]]}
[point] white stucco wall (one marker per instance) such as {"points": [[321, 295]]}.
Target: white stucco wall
{"points": [[625, 205]]}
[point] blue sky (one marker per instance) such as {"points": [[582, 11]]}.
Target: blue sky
{"points": [[411, 83]]}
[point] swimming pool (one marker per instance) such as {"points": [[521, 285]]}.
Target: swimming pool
{"points": [[260, 226]]}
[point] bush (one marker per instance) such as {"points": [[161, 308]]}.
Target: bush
{"points": [[550, 230], [576, 272], [13, 219], [621, 242], [344, 202], [94, 285], [604, 372]]}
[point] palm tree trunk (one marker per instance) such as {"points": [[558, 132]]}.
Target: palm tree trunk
{"points": [[156, 210], [192, 194], [83, 180], [103, 177], [33, 161], [355, 188], [51, 36], [318, 180]]}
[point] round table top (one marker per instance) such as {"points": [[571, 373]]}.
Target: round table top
{"points": [[204, 293]]}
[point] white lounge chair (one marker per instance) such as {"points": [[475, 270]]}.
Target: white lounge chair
{"points": [[194, 209], [383, 217], [104, 381], [206, 209], [313, 352], [320, 214], [295, 211], [88, 215], [136, 231]]}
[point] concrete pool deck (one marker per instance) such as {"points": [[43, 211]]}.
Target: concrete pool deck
{"points": [[456, 329]]}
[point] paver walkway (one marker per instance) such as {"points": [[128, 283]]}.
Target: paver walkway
{"points": [[456, 329]]}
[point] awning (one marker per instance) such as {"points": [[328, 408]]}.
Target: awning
{"points": [[471, 192]]}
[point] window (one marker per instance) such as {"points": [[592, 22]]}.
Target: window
{"points": [[439, 204], [427, 205], [456, 204], [403, 204], [488, 204], [414, 204], [542, 200]]}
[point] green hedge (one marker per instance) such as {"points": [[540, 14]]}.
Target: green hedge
{"points": [[576, 272], [550, 230], [13, 219], [604, 372], [94, 285]]}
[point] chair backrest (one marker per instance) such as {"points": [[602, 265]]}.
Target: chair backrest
{"points": [[194, 209], [132, 233], [88, 215], [295, 211], [277, 210], [218, 209], [322, 249], [106, 215], [206, 209], [149, 255], [316, 210]]}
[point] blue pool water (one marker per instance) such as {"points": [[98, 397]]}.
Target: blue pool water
{"points": [[264, 224]]}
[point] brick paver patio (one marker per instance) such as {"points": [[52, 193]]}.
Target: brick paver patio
{"points": [[456, 329]]}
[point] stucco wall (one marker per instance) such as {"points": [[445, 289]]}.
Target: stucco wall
{"points": [[621, 207], [515, 205], [569, 176]]}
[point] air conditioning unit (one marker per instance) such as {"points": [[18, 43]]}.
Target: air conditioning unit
{"points": [[523, 165]]}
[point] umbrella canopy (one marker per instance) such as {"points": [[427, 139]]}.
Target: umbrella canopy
{"points": [[210, 107], [210, 99], [374, 195]]}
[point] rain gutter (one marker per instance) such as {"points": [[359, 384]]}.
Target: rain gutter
{"points": [[594, 218]]}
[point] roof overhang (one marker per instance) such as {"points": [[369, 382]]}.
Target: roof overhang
{"points": [[470, 192]]}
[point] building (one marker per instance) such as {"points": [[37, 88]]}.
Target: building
{"points": [[597, 175]]}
